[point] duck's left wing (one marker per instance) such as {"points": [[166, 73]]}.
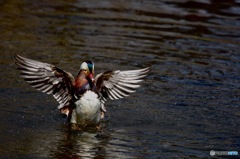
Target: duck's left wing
{"points": [[119, 84]]}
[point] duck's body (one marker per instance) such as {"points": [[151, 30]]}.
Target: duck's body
{"points": [[87, 110], [82, 98], [87, 105]]}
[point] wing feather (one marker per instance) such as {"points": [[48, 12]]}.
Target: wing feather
{"points": [[119, 84], [47, 78]]}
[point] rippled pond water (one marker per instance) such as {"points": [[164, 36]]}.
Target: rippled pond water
{"points": [[187, 106]]}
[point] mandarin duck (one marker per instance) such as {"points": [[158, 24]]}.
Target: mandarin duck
{"points": [[81, 98]]}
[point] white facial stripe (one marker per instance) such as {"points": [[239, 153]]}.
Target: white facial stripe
{"points": [[84, 66]]}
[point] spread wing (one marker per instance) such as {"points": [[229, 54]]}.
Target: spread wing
{"points": [[119, 84], [47, 78]]}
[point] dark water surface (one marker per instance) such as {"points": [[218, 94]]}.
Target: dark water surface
{"points": [[188, 105]]}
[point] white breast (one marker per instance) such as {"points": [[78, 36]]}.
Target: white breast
{"points": [[87, 111]]}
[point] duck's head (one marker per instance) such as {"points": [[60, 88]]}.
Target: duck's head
{"points": [[88, 68]]}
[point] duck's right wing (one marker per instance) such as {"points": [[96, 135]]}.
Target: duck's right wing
{"points": [[47, 78]]}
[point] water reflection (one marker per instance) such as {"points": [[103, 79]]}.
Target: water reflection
{"points": [[68, 143], [80, 145]]}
